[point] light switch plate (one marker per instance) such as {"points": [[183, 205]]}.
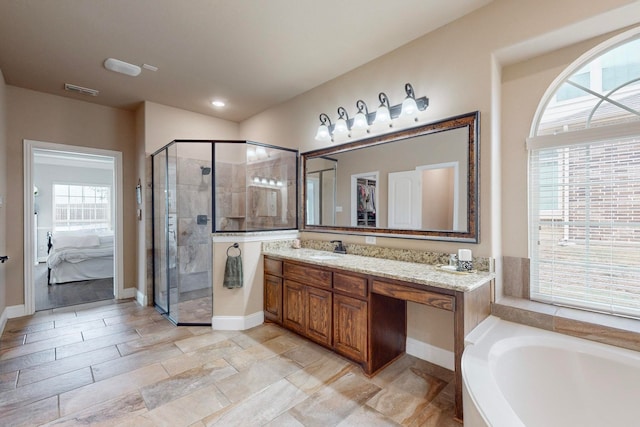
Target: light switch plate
{"points": [[338, 208], [370, 240]]}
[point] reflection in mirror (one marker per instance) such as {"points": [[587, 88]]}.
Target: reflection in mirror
{"points": [[321, 191], [420, 182]]}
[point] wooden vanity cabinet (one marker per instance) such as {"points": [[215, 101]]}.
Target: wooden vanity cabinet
{"points": [[273, 290], [307, 302]]}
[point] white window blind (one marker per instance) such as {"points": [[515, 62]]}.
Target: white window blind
{"points": [[81, 207], [585, 225]]}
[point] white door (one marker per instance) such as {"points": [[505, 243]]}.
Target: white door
{"points": [[405, 200]]}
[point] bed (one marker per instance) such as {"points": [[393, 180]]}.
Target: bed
{"points": [[76, 257]]}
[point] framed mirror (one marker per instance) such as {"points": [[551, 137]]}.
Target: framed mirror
{"points": [[418, 183]]}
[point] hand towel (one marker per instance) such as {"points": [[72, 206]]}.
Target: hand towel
{"points": [[233, 272]]}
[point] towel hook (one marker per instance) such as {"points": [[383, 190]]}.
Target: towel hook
{"points": [[235, 246]]}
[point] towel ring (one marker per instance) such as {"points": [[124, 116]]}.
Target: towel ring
{"points": [[234, 246]]}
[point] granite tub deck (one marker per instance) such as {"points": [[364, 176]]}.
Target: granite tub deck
{"points": [[423, 274]]}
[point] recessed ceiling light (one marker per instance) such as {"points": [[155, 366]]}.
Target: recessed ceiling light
{"points": [[218, 103]]}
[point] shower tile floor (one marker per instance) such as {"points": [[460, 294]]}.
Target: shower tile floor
{"points": [[117, 363]]}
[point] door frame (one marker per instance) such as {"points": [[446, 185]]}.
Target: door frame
{"points": [[29, 233]]}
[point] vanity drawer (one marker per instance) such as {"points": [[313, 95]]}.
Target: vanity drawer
{"points": [[308, 275], [354, 285], [445, 302], [273, 266]]}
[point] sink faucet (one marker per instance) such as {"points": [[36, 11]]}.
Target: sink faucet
{"points": [[340, 248]]}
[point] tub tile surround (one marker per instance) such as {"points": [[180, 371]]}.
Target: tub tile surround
{"points": [[515, 306]]}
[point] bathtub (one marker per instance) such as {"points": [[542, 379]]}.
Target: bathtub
{"points": [[515, 375]]}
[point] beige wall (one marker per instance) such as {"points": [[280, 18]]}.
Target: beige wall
{"points": [[458, 68], [42, 117], [164, 124], [3, 193]]}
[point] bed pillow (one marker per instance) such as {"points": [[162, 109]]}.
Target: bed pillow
{"points": [[61, 241]]}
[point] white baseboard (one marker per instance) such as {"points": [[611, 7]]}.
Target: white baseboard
{"points": [[129, 293], [141, 298], [430, 353], [14, 311], [237, 323]]}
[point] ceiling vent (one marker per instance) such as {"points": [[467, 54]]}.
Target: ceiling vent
{"points": [[80, 89]]}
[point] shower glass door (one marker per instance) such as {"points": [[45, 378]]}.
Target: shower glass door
{"points": [[183, 290], [160, 278]]}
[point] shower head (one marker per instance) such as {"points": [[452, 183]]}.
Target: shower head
{"points": [[205, 170]]}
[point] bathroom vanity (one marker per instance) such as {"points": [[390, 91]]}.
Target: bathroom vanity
{"points": [[356, 305]]}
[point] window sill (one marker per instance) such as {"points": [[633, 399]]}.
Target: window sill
{"points": [[604, 328]]}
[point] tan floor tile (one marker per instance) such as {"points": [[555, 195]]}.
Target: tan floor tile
{"points": [[94, 344], [109, 413], [36, 413], [306, 353], [40, 346], [332, 404], [112, 388], [28, 360], [140, 344], [114, 329], [256, 377], [24, 325], [241, 360], [194, 342], [65, 330], [177, 386], [284, 420], [201, 357], [8, 381], [43, 389], [14, 339], [259, 334], [120, 365], [365, 416], [68, 364], [189, 409], [319, 374], [260, 408]]}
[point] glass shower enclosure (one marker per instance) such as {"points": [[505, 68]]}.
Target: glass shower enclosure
{"points": [[204, 187]]}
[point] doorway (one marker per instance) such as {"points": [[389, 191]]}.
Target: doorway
{"points": [[73, 212]]}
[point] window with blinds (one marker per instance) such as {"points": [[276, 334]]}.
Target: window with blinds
{"points": [[585, 225], [81, 207], [584, 184]]}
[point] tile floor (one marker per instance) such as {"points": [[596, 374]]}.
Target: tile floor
{"points": [[110, 363]]}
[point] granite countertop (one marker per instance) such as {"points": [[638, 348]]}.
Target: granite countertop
{"points": [[424, 274]]}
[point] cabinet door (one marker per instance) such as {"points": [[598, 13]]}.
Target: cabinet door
{"points": [[294, 313], [319, 315], [350, 327], [273, 298]]}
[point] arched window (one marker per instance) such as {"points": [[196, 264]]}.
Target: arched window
{"points": [[584, 184]]}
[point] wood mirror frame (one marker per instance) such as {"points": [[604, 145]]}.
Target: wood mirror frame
{"points": [[470, 121]]}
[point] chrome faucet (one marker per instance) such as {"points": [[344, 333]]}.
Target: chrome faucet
{"points": [[340, 248]]}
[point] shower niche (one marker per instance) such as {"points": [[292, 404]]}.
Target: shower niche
{"points": [[204, 187]]}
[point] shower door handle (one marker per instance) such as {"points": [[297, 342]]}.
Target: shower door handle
{"points": [[3, 259]]}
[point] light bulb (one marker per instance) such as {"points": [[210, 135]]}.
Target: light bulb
{"points": [[340, 127], [323, 133], [409, 108], [360, 121], [382, 115]]}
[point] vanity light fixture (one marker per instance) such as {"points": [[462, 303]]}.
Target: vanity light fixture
{"points": [[409, 106], [324, 134], [361, 119], [382, 118], [383, 114], [342, 124]]}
